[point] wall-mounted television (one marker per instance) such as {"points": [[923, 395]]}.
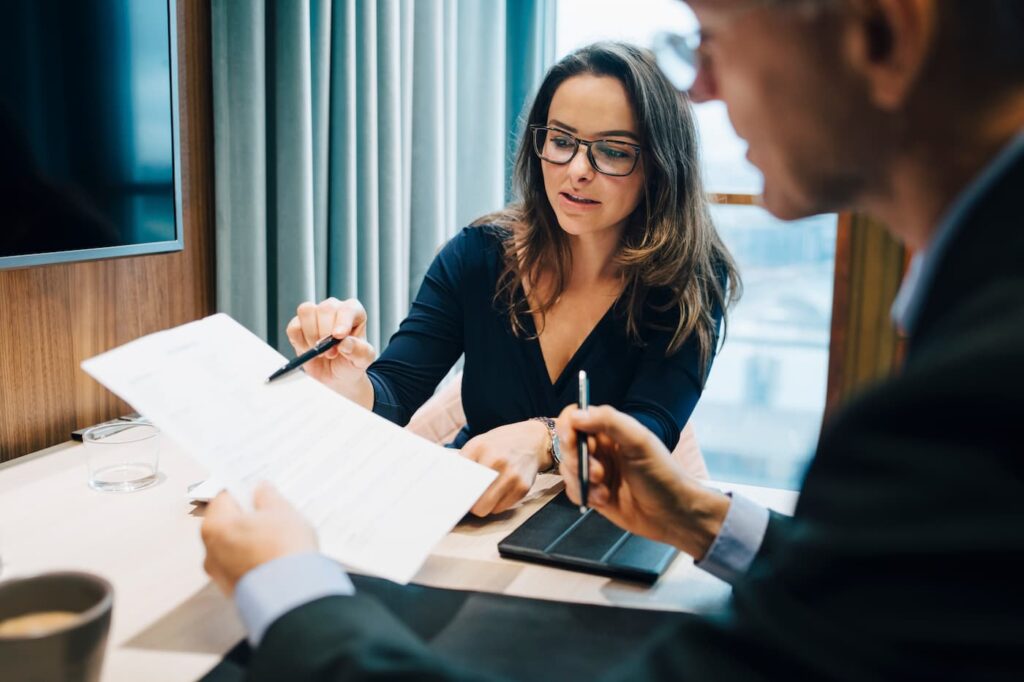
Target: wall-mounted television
{"points": [[89, 145]]}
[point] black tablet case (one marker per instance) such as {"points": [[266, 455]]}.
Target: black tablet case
{"points": [[559, 535]]}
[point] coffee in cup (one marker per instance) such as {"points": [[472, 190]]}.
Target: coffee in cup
{"points": [[36, 624]]}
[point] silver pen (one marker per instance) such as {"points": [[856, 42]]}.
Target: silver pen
{"points": [[582, 449]]}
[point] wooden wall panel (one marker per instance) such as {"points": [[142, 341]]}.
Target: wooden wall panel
{"points": [[53, 317], [864, 345]]}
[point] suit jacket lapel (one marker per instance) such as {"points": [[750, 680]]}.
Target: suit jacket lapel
{"points": [[989, 245]]}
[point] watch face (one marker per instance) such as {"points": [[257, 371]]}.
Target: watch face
{"points": [[556, 452]]}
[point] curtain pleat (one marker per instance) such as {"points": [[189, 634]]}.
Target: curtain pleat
{"points": [[429, 222], [343, 200], [392, 274], [480, 109], [240, 173], [353, 137], [291, 221], [367, 156], [320, 67]]}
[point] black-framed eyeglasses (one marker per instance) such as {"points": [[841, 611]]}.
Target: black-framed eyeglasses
{"points": [[610, 157]]}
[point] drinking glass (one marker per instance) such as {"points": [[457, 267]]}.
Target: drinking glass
{"points": [[122, 457]]}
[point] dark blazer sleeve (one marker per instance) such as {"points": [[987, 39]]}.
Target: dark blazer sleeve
{"points": [[346, 638], [430, 339], [778, 525], [903, 559]]}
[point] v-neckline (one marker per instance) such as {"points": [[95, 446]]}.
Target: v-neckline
{"points": [[574, 360]]}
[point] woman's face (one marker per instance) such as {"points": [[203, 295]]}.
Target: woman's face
{"points": [[585, 201]]}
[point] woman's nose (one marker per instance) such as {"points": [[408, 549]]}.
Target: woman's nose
{"points": [[580, 167]]}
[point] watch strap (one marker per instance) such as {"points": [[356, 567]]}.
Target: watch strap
{"points": [[554, 450]]}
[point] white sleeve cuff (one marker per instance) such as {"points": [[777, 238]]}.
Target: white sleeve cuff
{"points": [[733, 550], [271, 590]]}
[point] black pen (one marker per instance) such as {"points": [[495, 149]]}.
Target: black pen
{"points": [[322, 346], [582, 450]]}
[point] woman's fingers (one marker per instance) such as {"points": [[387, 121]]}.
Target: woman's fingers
{"points": [[349, 318], [514, 493], [295, 335], [489, 500], [327, 312], [308, 321], [473, 451], [358, 352], [330, 317]]}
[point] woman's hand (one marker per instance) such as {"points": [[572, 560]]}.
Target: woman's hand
{"points": [[635, 482], [342, 368], [517, 452]]}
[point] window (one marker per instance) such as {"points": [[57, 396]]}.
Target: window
{"points": [[759, 417]]}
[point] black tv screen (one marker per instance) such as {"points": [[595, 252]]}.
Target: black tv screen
{"points": [[88, 130]]}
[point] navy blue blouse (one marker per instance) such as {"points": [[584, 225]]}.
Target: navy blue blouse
{"points": [[505, 379]]}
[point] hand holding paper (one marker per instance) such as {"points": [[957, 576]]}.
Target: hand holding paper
{"points": [[380, 497]]}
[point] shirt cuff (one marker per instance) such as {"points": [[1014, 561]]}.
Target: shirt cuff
{"points": [[271, 590], [733, 550], [385, 404]]}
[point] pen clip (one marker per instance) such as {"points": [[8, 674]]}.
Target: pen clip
{"points": [[325, 343], [584, 391], [582, 449]]}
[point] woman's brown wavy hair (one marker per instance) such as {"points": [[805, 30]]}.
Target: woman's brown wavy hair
{"points": [[669, 243]]}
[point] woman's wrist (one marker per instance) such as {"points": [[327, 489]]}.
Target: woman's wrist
{"points": [[360, 391], [545, 459], [366, 394]]}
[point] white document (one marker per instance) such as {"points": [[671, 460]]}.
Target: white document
{"points": [[380, 496]]}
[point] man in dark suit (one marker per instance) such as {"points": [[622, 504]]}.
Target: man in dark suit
{"points": [[906, 553]]}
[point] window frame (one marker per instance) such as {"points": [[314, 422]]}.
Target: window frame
{"points": [[864, 346]]}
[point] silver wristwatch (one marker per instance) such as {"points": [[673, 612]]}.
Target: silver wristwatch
{"points": [[556, 452]]}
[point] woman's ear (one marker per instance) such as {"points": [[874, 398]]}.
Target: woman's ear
{"points": [[889, 42]]}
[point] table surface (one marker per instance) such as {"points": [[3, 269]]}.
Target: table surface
{"points": [[171, 623]]}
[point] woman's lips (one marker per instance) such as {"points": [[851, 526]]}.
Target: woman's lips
{"points": [[577, 201]]}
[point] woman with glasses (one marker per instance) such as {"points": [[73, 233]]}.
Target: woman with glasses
{"points": [[608, 262]]}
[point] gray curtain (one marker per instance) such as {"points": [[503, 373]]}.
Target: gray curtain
{"points": [[353, 137]]}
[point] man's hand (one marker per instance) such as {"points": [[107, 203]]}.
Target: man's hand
{"points": [[517, 452], [238, 541], [636, 484]]}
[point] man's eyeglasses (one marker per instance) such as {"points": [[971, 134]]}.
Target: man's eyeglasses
{"points": [[679, 56], [610, 157]]}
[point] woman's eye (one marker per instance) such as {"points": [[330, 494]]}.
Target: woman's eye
{"points": [[615, 153], [561, 142]]}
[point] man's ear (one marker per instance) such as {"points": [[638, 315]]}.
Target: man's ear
{"points": [[889, 42]]}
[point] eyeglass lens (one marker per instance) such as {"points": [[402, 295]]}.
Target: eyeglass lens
{"points": [[677, 58], [607, 156]]}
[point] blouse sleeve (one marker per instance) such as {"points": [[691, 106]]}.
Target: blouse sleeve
{"points": [[430, 338], [666, 389]]}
